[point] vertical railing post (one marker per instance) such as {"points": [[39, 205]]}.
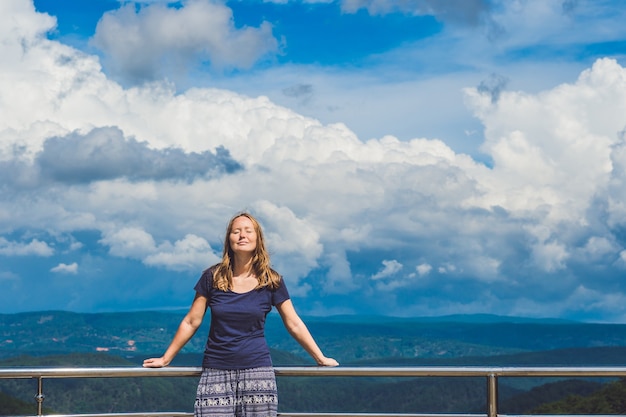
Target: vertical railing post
{"points": [[492, 395], [40, 397]]}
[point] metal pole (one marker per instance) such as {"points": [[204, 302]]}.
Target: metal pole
{"points": [[492, 395], [40, 397]]}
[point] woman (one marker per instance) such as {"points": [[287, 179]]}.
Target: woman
{"points": [[237, 376]]}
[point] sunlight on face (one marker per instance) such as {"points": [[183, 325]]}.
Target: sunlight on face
{"points": [[242, 235]]}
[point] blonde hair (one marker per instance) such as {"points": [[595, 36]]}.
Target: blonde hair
{"points": [[223, 271]]}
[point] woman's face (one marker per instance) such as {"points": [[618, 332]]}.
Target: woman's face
{"points": [[242, 235]]}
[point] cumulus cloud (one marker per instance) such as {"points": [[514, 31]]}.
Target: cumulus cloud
{"points": [[189, 253], [447, 268], [338, 275], [104, 154], [296, 239], [25, 24], [34, 247], [390, 267], [554, 161], [129, 242], [145, 42], [155, 175], [65, 268], [423, 269]]}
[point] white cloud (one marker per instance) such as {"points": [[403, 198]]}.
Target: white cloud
{"points": [[156, 40], [129, 242], [390, 268], [74, 246], [553, 150], [414, 90], [20, 21], [190, 253], [447, 268], [552, 23], [34, 247], [65, 268], [423, 269], [597, 247], [616, 192], [550, 256], [334, 206], [339, 278], [294, 243]]}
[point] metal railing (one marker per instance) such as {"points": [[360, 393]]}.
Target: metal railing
{"points": [[490, 373]]}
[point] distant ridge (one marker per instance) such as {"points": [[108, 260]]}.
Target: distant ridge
{"points": [[452, 318], [339, 318], [349, 337], [492, 318]]}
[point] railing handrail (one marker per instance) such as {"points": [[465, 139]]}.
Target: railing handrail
{"points": [[408, 371], [492, 373]]}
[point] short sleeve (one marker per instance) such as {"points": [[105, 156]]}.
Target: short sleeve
{"points": [[205, 283], [280, 294]]}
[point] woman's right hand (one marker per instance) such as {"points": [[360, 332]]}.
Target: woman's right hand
{"points": [[155, 363]]}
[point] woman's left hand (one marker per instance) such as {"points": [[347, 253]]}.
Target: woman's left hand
{"points": [[328, 362]]}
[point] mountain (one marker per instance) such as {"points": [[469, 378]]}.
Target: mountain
{"points": [[453, 318], [348, 338], [59, 338]]}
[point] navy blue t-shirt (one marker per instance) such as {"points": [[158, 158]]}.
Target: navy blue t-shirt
{"points": [[237, 333]]}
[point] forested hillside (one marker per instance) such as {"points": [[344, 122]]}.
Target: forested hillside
{"points": [[297, 394], [347, 338], [10, 406], [103, 395], [610, 399], [125, 339]]}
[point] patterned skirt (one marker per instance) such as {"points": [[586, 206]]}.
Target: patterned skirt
{"points": [[237, 393]]}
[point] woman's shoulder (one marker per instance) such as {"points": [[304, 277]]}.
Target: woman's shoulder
{"points": [[277, 280], [204, 286], [211, 269], [209, 273]]}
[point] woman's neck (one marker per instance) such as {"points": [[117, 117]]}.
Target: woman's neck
{"points": [[242, 266]]}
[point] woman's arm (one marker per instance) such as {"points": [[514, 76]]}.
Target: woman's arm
{"points": [[187, 328], [298, 330]]}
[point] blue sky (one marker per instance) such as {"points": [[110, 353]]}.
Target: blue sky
{"points": [[411, 158]]}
